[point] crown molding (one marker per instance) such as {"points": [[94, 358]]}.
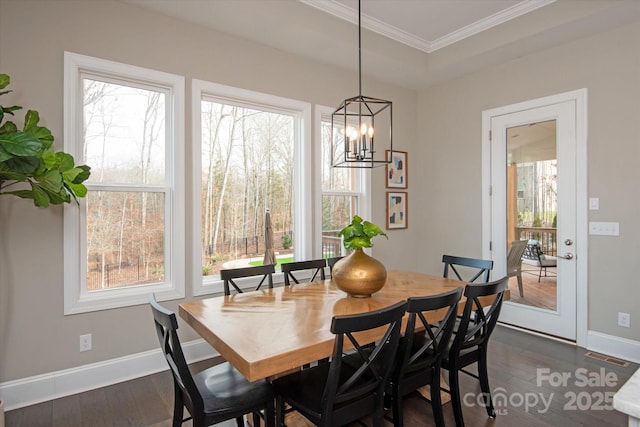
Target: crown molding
{"points": [[348, 14]]}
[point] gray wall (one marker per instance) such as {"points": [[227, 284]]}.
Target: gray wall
{"points": [[439, 127], [448, 205], [35, 337]]}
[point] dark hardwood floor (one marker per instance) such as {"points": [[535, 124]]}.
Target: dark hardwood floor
{"points": [[525, 378]]}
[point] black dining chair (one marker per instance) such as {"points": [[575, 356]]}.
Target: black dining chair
{"points": [[337, 393], [477, 268], [214, 395], [228, 276], [471, 340], [420, 354], [315, 268]]}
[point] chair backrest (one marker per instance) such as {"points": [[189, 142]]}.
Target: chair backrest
{"points": [[228, 276], [514, 257], [416, 356], [316, 266], [331, 262], [167, 329], [479, 317], [532, 250], [482, 267], [357, 387]]}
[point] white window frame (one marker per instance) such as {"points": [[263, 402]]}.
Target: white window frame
{"points": [[363, 175], [303, 205], [77, 299]]}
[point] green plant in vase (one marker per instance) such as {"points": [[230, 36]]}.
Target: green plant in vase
{"points": [[358, 274]]}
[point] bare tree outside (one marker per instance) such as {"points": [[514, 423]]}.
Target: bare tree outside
{"points": [[247, 168], [124, 131]]}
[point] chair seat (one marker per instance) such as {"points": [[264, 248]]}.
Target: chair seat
{"points": [[547, 261], [224, 390], [303, 390]]}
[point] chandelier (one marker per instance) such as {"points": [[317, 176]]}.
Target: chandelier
{"points": [[354, 121]]}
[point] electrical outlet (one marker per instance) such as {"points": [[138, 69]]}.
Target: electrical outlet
{"points": [[85, 342], [624, 319]]}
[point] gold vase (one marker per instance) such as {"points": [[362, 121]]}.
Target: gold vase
{"points": [[359, 275]]}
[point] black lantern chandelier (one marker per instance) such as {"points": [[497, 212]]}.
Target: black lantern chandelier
{"points": [[354, 122]]}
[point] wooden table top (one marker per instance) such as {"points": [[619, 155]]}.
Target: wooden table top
{"points": [[273, 331]]}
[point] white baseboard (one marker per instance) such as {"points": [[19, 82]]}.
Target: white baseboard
{"points": [[610, 345], [41, 388]]}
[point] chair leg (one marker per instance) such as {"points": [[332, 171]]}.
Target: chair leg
{"points": [[280, 412], [240, 422], [454, 387], [520, 288], [483, 376], [436, 402], [540, 274], [178, 407], [256, 419], [397, 407], [378, 415], [270, 414]]}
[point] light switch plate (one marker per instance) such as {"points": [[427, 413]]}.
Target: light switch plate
{"points": [[594, 203], [604, 228]]}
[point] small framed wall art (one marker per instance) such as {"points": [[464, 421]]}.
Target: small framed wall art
{"points": [[396, 169], [396, 210]]}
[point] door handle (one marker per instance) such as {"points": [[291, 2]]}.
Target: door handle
{"points": [[568, 242], [568, 255]]}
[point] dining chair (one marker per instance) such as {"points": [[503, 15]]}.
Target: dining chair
{"points": [[314, 267], [471, 340], [215, 394], [331, 262], [420, 354], [514, 262], [228, 276], [481, 268], [337, 393], [533, 255]]}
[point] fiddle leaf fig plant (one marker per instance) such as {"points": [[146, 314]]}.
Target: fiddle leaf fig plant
{"points": [[27, 156], [359, 233]]}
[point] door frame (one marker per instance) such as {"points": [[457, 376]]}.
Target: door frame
{"points": [[579, 97]]}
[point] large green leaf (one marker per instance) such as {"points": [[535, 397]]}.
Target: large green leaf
{"points": [[4, 80], [83, 176], [20, 144], [51, 181], [23, 164], [40, 197]]}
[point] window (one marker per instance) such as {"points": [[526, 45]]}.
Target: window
{"points": [[344, 190], [126, 238], [249, 157]]}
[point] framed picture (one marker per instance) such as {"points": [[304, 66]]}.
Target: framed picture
{"points": [[396, 210], [397, 169]]}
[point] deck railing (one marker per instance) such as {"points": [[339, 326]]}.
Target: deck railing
{"points": [[546, 237]]}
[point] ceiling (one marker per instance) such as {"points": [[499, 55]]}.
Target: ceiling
{"points": [[411, 43]]}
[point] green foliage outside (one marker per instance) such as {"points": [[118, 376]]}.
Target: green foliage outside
{"points": [[286, 241], [26, 156], [279, 261]]}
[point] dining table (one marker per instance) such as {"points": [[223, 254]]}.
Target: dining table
{"points": [[271, 332]]}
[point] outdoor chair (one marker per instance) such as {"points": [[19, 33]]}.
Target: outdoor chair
{"points": [[337, 393], [471, 341], [514, 262], [214, 395], [228, 276], [533, 255], [481, 268], [331, 262], [314, 268]]}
